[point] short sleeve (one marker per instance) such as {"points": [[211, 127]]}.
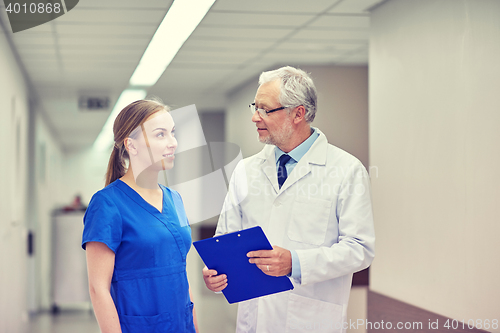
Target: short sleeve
{"points": [[102, 222]]}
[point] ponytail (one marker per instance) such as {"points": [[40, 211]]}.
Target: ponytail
{"points": [[116, 166]]}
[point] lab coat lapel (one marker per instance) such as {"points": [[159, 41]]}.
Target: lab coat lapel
{"points": [[269, 166], [315, 155], [301, 170]]}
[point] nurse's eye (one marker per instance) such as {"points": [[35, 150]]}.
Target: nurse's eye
{"points": [[172, 133], [160, 135]]}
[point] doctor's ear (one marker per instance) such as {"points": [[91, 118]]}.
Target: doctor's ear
{"points": [[129, 144], [300, 113]]}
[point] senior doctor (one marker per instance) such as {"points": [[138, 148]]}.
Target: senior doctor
{"points": [[312, 200]]}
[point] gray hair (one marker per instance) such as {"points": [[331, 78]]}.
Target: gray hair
{"points": [[297, 88]]}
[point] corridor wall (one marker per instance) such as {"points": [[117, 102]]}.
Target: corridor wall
{"points": [[434, 136], [29, 190], [14, 111]]}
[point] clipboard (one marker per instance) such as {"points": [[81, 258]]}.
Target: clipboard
{"points": [[227, 254]]}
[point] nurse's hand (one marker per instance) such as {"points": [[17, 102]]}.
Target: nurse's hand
{"points": [[275, 262], [213, 281]]}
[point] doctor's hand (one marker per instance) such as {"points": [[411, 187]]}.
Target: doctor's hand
{"points": [[213, 281], [275, 262]]}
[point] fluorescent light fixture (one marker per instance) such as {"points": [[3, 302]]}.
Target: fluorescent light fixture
{"points": [[105, 139], [177, 25]]}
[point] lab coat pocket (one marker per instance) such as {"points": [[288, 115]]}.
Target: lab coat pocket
{"points": [[309, 220], [146, 324], [307, 314]]}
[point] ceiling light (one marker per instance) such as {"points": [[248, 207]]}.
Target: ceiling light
{"points": [[105, 139], [177, 25]]}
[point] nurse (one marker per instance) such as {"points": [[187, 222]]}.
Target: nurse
{"points": [[136, 234]]}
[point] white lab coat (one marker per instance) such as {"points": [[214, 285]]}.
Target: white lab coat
{"points": [[324, 213]]}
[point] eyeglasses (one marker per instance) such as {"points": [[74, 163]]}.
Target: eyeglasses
{"points": [[263, 113]]}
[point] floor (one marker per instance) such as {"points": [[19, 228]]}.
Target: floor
{"points": [[74, 321]]}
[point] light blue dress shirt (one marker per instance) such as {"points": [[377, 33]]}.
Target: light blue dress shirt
{"points": [[296, 154]]}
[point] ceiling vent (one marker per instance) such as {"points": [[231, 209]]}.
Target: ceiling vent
{"points": [[87, 103]]}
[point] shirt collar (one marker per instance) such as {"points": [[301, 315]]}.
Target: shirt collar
{"points": [[298, 152]]}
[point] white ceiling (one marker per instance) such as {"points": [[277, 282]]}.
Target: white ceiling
{"points": [[93, 50]]}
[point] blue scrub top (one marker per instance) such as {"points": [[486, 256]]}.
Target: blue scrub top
{"points": [[149, 285]]}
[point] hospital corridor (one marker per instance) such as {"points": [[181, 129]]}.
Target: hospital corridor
{"points": [[398, 235]]}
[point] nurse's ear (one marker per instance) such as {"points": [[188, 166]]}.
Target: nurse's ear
{"points": [[130, 145]]}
